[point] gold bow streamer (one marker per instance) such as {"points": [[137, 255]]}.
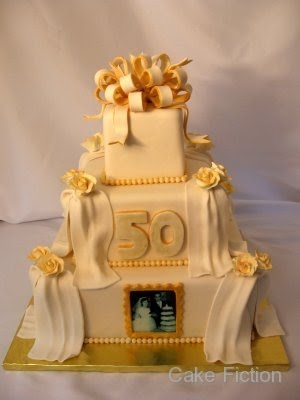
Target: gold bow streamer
{"points": [[141, 81]]}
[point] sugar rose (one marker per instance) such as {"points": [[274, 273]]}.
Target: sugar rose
{"points": [[80, 181], [38, 252], [207, 178], [264, 260], [50, 264], [245, 264]]}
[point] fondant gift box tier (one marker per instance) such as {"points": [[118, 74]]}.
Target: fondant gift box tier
{"points": [[143, 122], [149, 250]]}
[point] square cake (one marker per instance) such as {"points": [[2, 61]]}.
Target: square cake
{"points": [[149, 250]]}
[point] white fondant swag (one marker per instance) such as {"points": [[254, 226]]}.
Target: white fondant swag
{"points": [[208, 248], [58, 317], [228, 330], [88, 231]]}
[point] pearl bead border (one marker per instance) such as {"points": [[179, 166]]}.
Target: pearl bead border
{"points": [[142, 181], [144, 340], [149, 263]]}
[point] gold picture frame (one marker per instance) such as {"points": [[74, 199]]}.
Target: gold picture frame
{"points": [[137, 302]]}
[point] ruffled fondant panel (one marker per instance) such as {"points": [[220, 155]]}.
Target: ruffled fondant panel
{"points": [[208, 246], [228, 331], [59, 324]]}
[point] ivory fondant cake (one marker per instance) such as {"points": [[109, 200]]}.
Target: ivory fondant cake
{"points": [[149, 250]]}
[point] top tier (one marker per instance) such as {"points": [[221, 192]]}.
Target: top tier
{"points": [[153, 148], [144, 118]]}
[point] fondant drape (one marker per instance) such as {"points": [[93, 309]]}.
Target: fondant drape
{"points": [[88, 230], [208, 247], [58, 317], [229, 327], [228, 330]]}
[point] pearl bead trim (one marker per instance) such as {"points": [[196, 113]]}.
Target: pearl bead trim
{"points": [[149, 263], [144, 340], [142, 181]]}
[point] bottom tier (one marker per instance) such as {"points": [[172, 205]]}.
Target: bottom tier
{"points": [[161, 302], [153, 306]]}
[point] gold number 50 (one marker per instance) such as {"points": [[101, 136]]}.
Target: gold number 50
{"points": [[137, 241]]}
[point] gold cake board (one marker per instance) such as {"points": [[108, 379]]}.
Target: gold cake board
{"points": [[268, 355]]}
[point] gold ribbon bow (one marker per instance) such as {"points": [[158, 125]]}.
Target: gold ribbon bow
{"points": [[142, 81]]}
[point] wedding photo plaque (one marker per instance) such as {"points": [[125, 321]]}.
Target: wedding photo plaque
{"points": [[154, 310]]}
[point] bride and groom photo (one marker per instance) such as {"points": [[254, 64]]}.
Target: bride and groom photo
{"points": [[153, 311]]}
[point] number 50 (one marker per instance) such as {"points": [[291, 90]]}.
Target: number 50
{"points": [[138, 241]]}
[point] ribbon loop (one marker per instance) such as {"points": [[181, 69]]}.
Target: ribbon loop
{"points": [[181, 98], [152, 77], [114, 94], [98, 96], [164, 61], [129, 83], [161, 96], [176, 78], [120, 66], [141, 63], [104, 78]]}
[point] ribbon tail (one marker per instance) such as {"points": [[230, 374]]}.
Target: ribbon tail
{"points": [[185, 110], [115, 124], [97, 116]]}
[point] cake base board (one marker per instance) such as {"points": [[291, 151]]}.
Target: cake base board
{"points": [[268, 355]]}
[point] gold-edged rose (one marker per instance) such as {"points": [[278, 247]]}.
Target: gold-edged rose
{"points": [[207, 178], [215, 175], [37, 252], [80, 181], [49, 263], [245, 264]]}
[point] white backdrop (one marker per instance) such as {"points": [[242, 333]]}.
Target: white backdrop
{"points": [[245, 76]]}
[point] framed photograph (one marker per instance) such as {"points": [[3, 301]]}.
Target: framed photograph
{"points": [[153, 310]]}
